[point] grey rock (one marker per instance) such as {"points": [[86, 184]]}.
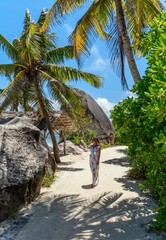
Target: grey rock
{"points": [[22, 165], [82, 144], [2, 238], [71, 148], [1, 231], [101, 124], [31, 117]]}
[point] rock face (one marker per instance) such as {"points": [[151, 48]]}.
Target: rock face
{"points": [[22, 164], [31, 117], [100, 122], [71, 148]]}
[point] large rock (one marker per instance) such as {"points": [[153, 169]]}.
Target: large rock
{"points": [[31, 117], [100, 122], [22, 164], [70, 148]]}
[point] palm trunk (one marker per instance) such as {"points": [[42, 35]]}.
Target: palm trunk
{"points": [[126, 41], [46, 116]]}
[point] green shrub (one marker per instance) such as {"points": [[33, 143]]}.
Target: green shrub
{"points": [[86, 136], [83, 132], [104, 144], [48, 180], [141, 121], [74, 138]]}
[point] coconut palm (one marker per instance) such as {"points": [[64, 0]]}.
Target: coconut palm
{"points": [[121, 23], [37, 65]]}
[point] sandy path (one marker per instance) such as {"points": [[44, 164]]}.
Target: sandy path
{"points": [[70, 210]]}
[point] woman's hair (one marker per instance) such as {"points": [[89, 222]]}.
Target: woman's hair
{"points": [[96, 140]]}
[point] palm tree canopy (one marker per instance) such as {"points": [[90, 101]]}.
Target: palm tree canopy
{"points": [[35, 57], [138, 15], [101, 20]]}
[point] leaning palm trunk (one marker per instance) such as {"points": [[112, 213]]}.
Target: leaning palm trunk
{"points": [[126, 41], [46, 116]]}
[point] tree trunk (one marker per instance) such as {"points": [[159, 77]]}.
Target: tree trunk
{"points": [[64, 143], [46, 116], [126, 41]]}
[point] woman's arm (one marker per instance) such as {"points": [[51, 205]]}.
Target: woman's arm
{"points": [[99, 153]]}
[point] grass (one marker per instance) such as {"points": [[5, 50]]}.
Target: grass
{"points": [[104, 144], [48, 180]]}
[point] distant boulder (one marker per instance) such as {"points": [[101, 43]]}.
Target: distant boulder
{"points": [[70, 148], [22, 165], [101, 124]]}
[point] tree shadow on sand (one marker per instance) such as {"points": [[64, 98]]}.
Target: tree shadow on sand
{"points": [[106, 216], [88, 186], [122, 161], [129, 184], [65, 163], [124, 151], [70, 169]]}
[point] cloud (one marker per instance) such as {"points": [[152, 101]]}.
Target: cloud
{"points": [[68, 28], [105, 105], [130, 94], [98, 63]]}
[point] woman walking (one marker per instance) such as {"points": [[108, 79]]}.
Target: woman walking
{"points": [[95, 151]]}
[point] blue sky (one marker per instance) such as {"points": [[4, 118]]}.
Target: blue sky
{"points": [[11, 19]]}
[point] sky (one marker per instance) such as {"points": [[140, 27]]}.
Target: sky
{"points": [[11, 19]]}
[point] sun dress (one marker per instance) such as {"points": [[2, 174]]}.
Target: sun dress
{"points": [[94, 155]]}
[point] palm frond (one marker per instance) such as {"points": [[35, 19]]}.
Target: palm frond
{"points": [[59, 55], [13, 91], [31, 45], [139, 14], [93, 23], [27, 21], [65, 74], [47, 103], [28, 97], [8, 48], [68, 98], [16, 43], [8, 69], [116, 52], [58, 10], [42, 17]]}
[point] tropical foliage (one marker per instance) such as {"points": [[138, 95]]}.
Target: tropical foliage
{"points": [[37, 65], [141, 121], [48, 180], [87, 137], [121, 23], [83, 133]]}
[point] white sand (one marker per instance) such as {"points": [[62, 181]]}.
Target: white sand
{"points": [[70, 210]]}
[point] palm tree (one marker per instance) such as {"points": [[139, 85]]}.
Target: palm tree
{"points": [[36, 66], [121, 23]]}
